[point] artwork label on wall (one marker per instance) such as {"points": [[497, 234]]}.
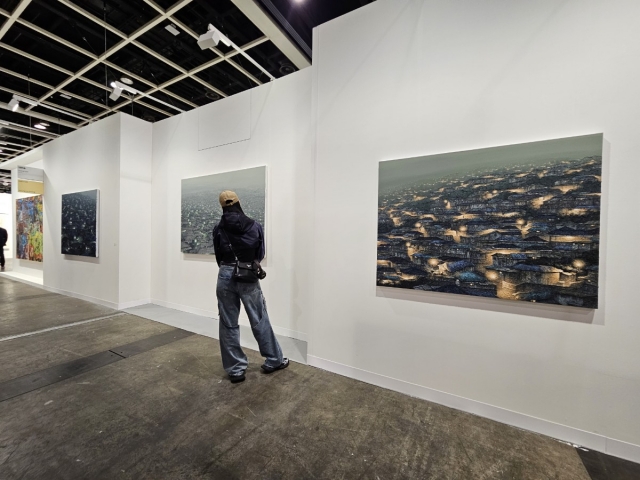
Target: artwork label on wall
{"points": [[201, 209], [80, 223], [29, 223], [517, 222]]}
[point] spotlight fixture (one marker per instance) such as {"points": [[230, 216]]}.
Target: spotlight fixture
{"points": [[119, 87], [67, 97], [41, 126], [215, 36], [14, 104], [117, 91], [126, 80], [212, 38], [171, 28]]}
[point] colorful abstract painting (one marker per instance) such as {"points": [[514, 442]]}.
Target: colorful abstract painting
{"points": [[518, 222], [29, 222]]}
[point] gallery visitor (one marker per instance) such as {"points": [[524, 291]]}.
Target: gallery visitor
{"points": [[4, 236], [239, 247]]}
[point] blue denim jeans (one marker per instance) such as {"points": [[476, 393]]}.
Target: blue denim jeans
{"points": [[230, 293]]}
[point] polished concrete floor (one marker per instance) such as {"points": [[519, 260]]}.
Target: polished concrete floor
{"points": [[119, 396]]}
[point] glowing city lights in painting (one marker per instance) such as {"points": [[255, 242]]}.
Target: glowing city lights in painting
{"points": [[520, 222]]}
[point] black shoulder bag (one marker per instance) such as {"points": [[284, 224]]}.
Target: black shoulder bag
{"points": [[245, 272]]}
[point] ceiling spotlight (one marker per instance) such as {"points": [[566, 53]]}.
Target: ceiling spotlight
{"points": [[14, 104], [215, 36], [117, 91], [65, 96], [41, 126], [126, 80], [212, 38], [171, 28], [119, 87]]}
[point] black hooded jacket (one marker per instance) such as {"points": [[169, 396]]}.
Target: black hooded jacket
{"points": [[245, 234]]}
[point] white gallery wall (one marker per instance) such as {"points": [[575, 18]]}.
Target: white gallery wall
{"points": [[108, 155], [276, 117], [135, 211], [404, 78]]}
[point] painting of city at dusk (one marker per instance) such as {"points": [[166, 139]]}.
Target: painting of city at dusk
{"points": [[518, 222], [201, 209]]}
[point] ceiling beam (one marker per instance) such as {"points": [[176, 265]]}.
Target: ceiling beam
{"points": [[178, 67], [24, 129], [2, 142], [91, 82], [92, 17], [21, 53], [58, 39], [13, 17], [221, 55], [118, 46], [51, 104], [46, 85], [204, 66], [8, 149], [44, 104], [272, 30], [151, 84]]}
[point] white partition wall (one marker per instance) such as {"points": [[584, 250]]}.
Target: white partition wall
{"points": [[279, 116], [87, 159], [403, 78], [135, 211], [113, 156]]}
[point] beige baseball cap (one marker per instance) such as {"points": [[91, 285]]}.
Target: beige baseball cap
{"points": [[228, 198]]}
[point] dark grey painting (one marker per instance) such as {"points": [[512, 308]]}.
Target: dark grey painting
{"points": [[518, 222], [80, 223], [201, 209]]}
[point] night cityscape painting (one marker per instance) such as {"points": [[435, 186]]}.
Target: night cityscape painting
{"points": [[518, 222], [201, 209], [80, 223], [29, 223]]}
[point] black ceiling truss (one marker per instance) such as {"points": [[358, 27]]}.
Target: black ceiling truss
{"points": [[65, 53]]}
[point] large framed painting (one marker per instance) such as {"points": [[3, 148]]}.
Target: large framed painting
{"points": [[201, 209], [79, 232], [29, 223], [517, 222]]}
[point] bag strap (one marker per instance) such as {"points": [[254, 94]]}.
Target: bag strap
{"points": [[229, 243]]}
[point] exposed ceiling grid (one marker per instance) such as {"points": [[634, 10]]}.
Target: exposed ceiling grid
{"points": [[31, 65], [62, 55]]}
